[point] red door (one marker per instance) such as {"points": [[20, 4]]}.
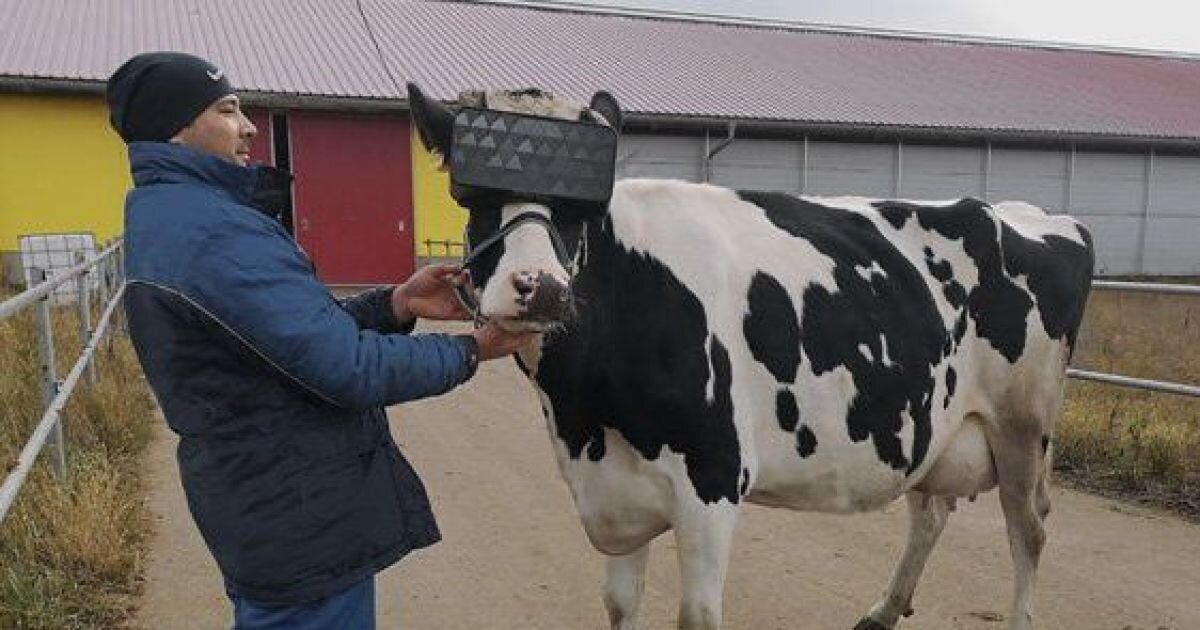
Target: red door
{"points": [[353, 199]]}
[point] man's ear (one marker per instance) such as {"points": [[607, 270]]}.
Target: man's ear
{"points": [[606, 105], [434, 121]]}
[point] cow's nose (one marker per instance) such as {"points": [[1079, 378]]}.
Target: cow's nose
{"points": [[543, 297], [524, 283]]}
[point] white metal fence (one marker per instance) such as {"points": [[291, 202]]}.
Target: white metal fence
{"points": [[1129, 381], [98, 279]]}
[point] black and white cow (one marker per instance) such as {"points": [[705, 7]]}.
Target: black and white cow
{"points": [[831, 354]]}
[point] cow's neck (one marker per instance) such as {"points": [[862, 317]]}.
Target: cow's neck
{"points": [[638, 349]]}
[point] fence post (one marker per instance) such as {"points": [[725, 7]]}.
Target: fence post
{"points": [[112, 270], [49, 372], [102, 278], [83, 295], [119, 254]]}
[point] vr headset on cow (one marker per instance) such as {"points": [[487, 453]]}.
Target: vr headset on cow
{"points": [[562, 164], [512, 146], [497, 156]]}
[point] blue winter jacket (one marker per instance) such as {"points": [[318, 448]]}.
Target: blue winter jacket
{"points": [[274, 387]]}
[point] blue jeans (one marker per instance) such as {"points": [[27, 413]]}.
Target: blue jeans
{"points": [[352, 609]]}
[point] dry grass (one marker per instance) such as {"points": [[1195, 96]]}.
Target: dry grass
{"points": [[71, 549], [1131, 441]]}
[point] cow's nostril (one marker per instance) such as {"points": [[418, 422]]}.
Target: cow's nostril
{"points": [[524, 284]]}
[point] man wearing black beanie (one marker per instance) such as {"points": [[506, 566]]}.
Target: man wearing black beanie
{"points": [[275, 387], [154, 95]]}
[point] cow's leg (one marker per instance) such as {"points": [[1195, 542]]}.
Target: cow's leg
{"points": [[927, 517], [1020, 466], [1042, 493], [623, 587], [704, 537]]}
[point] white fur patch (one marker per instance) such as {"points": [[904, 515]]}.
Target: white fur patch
{"points": [[867, 272], [527, 250], [1034, 224], [541, 104]]}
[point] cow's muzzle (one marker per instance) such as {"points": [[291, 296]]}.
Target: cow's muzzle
{"points": [[542, 298]]}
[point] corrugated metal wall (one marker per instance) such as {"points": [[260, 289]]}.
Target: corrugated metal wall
{"points": [[1142, 209]]}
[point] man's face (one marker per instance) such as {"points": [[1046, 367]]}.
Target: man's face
{"points": [[222, 130]]}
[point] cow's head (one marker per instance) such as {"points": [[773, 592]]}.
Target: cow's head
{"points": [[523, 237]]}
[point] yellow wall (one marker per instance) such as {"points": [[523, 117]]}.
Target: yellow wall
{"points": [[437, 216], [62, 168]]}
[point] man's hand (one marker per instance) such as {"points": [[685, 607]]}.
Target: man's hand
{"points": [[495, 342], [429, 293]]}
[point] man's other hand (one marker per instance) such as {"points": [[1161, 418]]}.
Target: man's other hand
{"points": [[495, 342], [429, 293]]}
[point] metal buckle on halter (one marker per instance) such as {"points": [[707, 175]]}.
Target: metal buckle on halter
{"points": [[465, 294]]}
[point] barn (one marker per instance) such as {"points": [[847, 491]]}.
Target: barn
{"points": [[1111, 136]]}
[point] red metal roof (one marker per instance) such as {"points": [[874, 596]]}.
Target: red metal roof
{"points": [[654, 65], [282, 46]]}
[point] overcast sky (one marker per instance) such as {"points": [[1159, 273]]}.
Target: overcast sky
{"points": [[1172, 25]]}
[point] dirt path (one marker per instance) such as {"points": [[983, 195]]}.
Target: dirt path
{"points": [[514, 555]]}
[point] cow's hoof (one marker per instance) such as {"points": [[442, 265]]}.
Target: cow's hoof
{"points": [[867, 623]]}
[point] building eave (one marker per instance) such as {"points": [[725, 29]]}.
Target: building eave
{"points": [[680, 123]]}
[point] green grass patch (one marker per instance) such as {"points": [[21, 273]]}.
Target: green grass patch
{"points": [[1132, 442], [71, 549]]}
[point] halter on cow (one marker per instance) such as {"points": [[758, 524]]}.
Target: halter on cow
{"points": [[703, 347]]}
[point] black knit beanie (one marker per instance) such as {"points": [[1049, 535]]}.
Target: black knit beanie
{"points": [[154, 95]]}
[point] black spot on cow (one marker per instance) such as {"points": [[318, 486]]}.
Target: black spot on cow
{"points": [[1058, 272], [998, 306], [745, 482], [940, 269], [786, 410], [955, 294], [643, 371], [806, 441], [897, 215], [896, 305], [960, 328], [951, 383], [772, 328]]}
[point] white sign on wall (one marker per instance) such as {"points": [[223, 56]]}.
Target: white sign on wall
{"points": [[55, 253]]}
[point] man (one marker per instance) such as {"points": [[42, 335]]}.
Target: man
{"points": [[275, 388]]}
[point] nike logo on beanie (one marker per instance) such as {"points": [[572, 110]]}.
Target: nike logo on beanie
{"points": [[215, 76]]}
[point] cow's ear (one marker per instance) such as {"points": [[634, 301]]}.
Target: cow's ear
{"points": [[434, 121], [606, 105]]}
